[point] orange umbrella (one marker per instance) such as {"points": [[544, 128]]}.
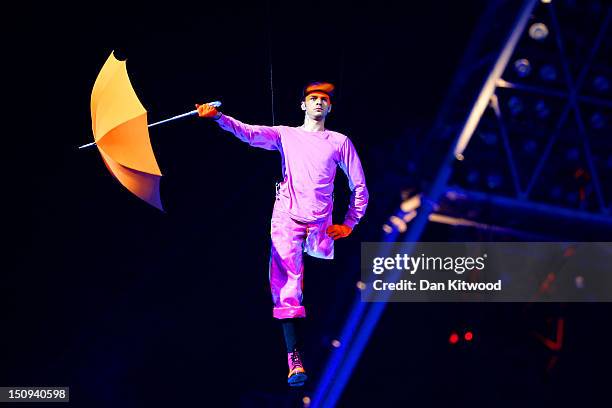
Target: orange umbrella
{"points": [[119, 123]]}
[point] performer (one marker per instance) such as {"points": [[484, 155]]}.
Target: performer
{"points": [[302, 214]]}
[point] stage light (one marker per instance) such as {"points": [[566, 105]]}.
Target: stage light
{"points": [[581, 173], [530, 146], [454, 338], [473, 177], [538, 31], [494, 180], [516, 105], [399, 223], [409, 216], [522, 67], [411, 203], [336, 343], [572, 154], [411, 167], [361, 285], [548, 73], [306, 401], [579, 282], [542, 110], [490, 138], [597, 121], [601, 83], [546, 1], [555, 193], [468, 336], [569, 251]]}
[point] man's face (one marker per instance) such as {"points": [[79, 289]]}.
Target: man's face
{"points": [[317, 105]]}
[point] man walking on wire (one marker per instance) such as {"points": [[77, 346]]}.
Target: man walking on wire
{"points": [[302, 214]]}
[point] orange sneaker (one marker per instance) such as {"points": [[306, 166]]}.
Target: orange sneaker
{"points": [[297, 375]]}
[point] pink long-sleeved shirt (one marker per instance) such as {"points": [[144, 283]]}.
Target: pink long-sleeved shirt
{"points": [[309, 161]]}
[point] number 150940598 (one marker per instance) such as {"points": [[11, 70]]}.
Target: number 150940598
{"points": [[50, 394]]}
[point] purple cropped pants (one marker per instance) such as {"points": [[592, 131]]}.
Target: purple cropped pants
{"points": [[290, 239]]}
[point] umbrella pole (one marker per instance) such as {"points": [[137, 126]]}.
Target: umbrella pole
{"points": [[216, 104], [193, 112], [87, 145]]}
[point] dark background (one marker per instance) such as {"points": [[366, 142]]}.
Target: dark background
{"points": [[133, 307]]}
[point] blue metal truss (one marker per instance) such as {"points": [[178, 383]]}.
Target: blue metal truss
{"points": [[364, 316]]}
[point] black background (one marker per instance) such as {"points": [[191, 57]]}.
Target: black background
{"points": [[132, 307]]}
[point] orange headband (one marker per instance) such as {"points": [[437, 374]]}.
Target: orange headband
{"points": [[319, 93]]}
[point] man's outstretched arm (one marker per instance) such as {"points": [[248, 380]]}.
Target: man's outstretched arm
{"points": [[351, 165], [265, 137]]}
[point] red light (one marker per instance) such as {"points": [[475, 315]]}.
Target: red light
{"points": [[468, 336], [454, 338]]}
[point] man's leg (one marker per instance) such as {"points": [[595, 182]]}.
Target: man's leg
{"points": [[286, 273], [286, 266], [292, 333]]}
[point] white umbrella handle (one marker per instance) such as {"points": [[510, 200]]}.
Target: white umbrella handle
{"points": [[216, 104]]}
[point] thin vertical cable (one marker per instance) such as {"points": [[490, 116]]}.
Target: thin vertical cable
{"points": [[270, 60]]}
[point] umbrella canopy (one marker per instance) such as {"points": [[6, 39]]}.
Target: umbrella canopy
{"points": [[119, 124]]}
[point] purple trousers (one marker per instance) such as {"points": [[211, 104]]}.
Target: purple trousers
{"points": [[290, 239]]}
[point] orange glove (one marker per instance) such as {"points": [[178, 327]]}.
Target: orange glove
{"points": [[207, 111], [339, 231]]}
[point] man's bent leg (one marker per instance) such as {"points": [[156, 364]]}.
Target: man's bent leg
{"points": [[317, 243]]}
